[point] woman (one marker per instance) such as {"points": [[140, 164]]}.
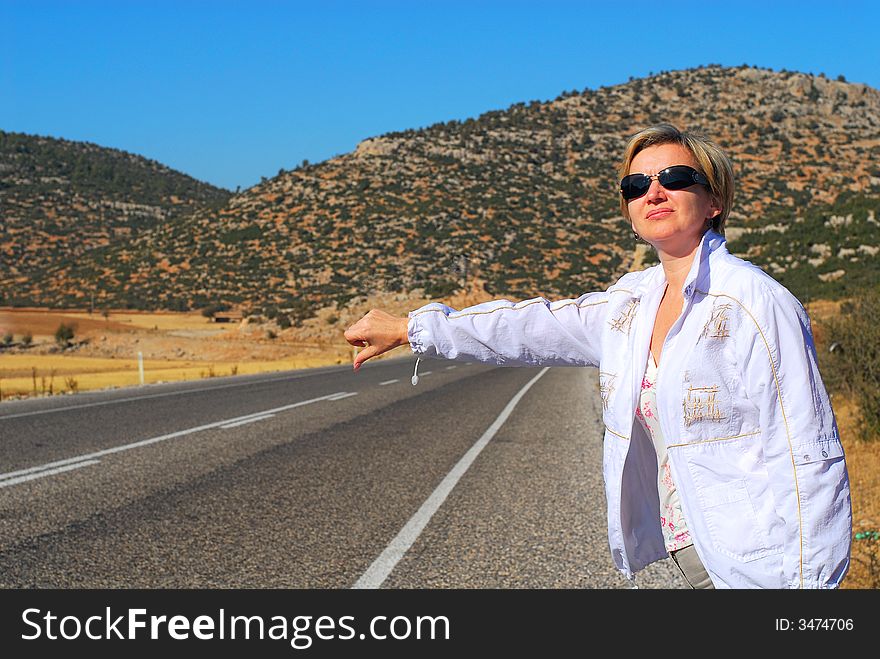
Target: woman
{"points": [[721, 449]]}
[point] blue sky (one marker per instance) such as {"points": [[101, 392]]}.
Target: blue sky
{"points": [[231, 91]]}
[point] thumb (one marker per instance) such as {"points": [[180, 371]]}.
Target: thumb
{"points": [[364, 355]]}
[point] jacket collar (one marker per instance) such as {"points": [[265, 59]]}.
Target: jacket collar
{"points": [[698, 276]]}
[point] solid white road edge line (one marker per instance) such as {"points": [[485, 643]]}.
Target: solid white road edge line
{"points": [[376, 574], [161, 438]]}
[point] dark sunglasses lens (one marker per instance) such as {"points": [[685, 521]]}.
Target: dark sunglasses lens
{"points": [[677, 177], [634, 185]]}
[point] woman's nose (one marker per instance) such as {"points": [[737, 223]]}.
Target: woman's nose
{"points": [[655, 191]]}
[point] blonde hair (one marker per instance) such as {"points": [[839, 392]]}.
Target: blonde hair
{"points": [[711, 161]]}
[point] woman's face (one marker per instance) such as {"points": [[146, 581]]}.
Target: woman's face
{"points": [[673, 221]]}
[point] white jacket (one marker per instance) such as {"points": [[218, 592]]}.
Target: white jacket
{"points": [[752, 440]]}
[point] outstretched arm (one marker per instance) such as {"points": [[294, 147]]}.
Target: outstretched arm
{"points": [[534, 332]]}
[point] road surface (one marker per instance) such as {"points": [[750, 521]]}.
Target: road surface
{"points": [[479, 477]]}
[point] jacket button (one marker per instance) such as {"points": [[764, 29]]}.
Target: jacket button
{"points": [[807, 456], [824, 453]]}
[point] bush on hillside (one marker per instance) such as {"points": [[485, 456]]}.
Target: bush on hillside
{"points": [[64, 335], [852, 363]]}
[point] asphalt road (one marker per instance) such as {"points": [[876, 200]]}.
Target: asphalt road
{"points": [[313, 479]]}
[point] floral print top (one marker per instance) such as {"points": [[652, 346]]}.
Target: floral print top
{"points": [[675, 531]]}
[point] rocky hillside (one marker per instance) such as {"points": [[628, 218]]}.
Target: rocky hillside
{"points": [[59, 200], [521, 201]]}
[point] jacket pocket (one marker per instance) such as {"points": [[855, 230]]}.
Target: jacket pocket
{"points": [[731, 519], [706, 403]]}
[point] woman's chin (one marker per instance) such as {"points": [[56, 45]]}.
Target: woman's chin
{"points": [[671, 241], [658, 234]]}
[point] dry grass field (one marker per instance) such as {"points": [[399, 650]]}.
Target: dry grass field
{"points": [[863, 464], [44, 322], [175, 346], [28, 375]]}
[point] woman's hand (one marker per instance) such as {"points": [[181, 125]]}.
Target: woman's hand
{"points": [[377, 332]]}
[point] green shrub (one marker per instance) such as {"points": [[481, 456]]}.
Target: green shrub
{"points": [[440, 287], [64, 335]]}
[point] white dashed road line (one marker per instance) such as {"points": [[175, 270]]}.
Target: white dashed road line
{"points": [[50, 472], [342, 395], [245, 421], [59, 466], [382, 384]]}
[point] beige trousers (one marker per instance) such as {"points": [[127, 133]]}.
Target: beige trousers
{"points": [[688, 562]]}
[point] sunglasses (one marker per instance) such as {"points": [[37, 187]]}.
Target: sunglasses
{"points": [[677, 177]]}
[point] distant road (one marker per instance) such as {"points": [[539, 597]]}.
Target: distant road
{"points": [[313, 479]]}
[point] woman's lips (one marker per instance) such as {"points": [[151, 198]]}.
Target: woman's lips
{"points": [[658, 212]]}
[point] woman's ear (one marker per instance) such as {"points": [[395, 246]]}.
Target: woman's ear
{"points": [[715, 207]]}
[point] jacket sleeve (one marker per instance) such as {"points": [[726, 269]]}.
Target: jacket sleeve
{"points": [[534, 332], [801, 443]]}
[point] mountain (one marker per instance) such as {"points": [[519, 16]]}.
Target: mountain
{"points": [[60, 200], [522, 201]]}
